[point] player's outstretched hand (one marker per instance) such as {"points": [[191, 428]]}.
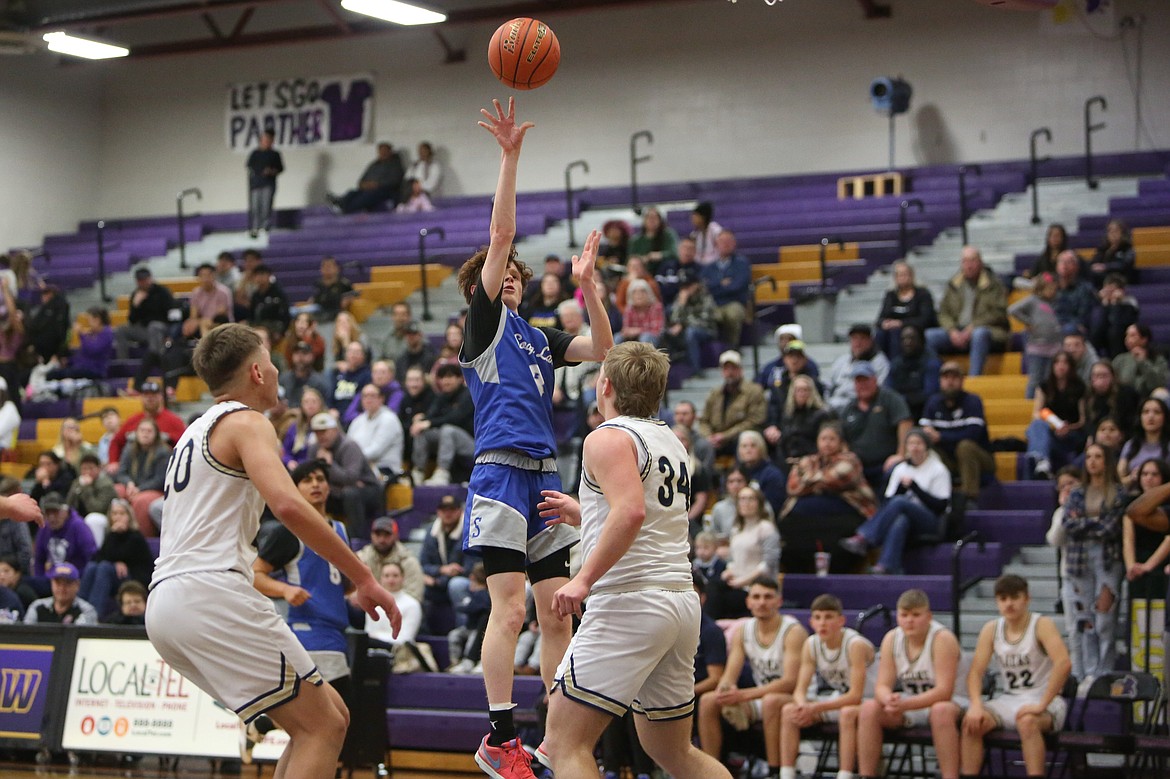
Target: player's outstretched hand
{"points": [[568, 599], [370, 595], [21, 508], [583, 264], [557, 508], [503, 126]]}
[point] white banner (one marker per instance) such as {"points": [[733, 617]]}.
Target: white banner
{"points": [[301, 111], [124, 698]]}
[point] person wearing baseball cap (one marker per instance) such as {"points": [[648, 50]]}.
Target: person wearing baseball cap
{"points": [[357, 491], [443, 564], [63, 607], [954, 421], [65, 538], [773, 374], [875, 423], [385, 547], [170, 425], [839, 381], [737, 405]]}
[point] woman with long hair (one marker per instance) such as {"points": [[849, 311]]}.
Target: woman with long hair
{"points": [[124, 554], [304, 330], [1151, 441], [142, 470], [905, 303], [635, 270], [1092, 527], [655, 242], [1110, 398], [346, 330], [1141, 365], [754, 551], [917, 495], [751, 455], [70, 446], [298, 437], [805, 412], [1143, 551], [1055, 242], [1057, 431], [1114, 255]]}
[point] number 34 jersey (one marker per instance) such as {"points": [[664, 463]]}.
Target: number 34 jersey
{"points": [[1024, 666], [211, 513], [658, 556]]}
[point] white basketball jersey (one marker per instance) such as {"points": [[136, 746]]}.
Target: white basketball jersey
{"points": [[915, 675], [211, 513], [833, 664], [767, 662], [658, 556], [1024, 666]]}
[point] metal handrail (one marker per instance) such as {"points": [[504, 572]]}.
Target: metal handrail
{"points": [[958, 586], [1091, 128], [422, 266], [182, 221], [569, 215], [903, 234], [1034, 165], [755, 318], [963, 169], [635, 160]]}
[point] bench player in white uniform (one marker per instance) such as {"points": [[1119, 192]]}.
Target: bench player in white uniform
{"points": [[924, 659], [204, 616], [1033, 667], [637, 641], [770, 643], [842, 660]]}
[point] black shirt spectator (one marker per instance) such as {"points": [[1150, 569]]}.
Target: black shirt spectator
{"points": [[269, 304], [47, 329], [332, 292], [154, 306], [914, 372]]}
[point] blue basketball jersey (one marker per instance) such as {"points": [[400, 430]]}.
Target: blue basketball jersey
{"points": [[320, 622], [511, 384]]}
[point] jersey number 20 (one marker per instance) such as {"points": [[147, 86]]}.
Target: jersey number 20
{"points": [[179, 469]]}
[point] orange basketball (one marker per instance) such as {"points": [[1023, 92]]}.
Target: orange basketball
{"points": [[524, 53]]}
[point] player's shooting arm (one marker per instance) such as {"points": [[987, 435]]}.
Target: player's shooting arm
{"points": [[503, 225]]}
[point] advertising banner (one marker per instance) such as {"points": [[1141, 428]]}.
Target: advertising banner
{"points": [[301, 111], [24, 690], [124, 698]]}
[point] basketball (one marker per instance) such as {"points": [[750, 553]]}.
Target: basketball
{"points": [[524, 53]]}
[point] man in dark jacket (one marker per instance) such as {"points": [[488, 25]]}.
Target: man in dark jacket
{"points": [[447, 424], [442, 556], [957, 427], [47, 329], [355, 490], [269, 303], [380, 183], [150, 309]]}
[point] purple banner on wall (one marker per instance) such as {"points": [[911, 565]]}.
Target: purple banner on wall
{"points": [[24, 688], [302, 111]]}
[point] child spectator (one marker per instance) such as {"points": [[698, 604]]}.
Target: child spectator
{"points": [[465, 643], [707, 561], [12, 577], [1044, 332]]}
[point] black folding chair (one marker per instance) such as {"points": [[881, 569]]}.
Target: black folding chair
{"points": [[1125, 691]]}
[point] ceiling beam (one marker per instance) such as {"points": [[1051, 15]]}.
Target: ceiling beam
{"points": [[330, 8], [149, 14]]}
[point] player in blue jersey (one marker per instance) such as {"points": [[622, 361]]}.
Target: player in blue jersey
{"points": [[509, 366]]}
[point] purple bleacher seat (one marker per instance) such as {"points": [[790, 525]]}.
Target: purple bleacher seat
{"points": [[28, 430], [936, 561], [50, 409], [454, 692], [1019, 495], [861, 592], [1012, 528]]}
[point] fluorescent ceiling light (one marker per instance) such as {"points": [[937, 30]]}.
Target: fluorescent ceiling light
{"points": [[64, 43], [394, 11]]}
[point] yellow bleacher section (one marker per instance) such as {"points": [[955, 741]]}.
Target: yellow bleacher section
{"points": [[798, 264]]}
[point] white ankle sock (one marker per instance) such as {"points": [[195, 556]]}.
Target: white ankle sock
{"points": [[844, 775], [788, 772]]}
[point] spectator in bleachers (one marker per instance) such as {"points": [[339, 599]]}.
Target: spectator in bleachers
{"points": [[124, 554], [914, 372], [729, 279], [378, 431], [655, 242], [615, 243], [452, 344], [643, 318], [701, 480], [91, 494], [774, 372], [685, 414], [838, 382], [70, 446], [392, 578], [304, 330], [973, 314], [1057, 431], [573, 385], [351, 376], [1084, 356], [737, 405], [793, 425], [723, 512], [672, 272], [754, 551], [29, 282], [556, 266], [794, 363], [1109, 398], [91, 360], [540, 308], [346, 330], [1114, 255], [751, 456], [356, 491], [441, 557], [917, 496], [605, 295], [707, 562], [299, 436], [416, 199], [635, 270], [690, 325], [417, 396], [1044, 332], [1075, 298], [875, 424], [149, 317], [954, 421], [13, 368], [427, 170], [1055, 242], [210, 303], [226, 271], [131, 602], [394, 344], [1093, 563], [419, 352], [111, 423], [270, 304], [332, 293], [706, 231], [63, 607], [1151, 441], [246, 284], [48, 323], [301, 375], [64, 538], [1145, 551], [382, 377], [12, 578], [142, 470], [385, 547], [50, 474], [15, 541], [266, 341], [1116, 312], [380, 184], [465, 642], [446, 429], [1141, 366], [9, 419], [905, 303], [169, 424], [264, 164]]}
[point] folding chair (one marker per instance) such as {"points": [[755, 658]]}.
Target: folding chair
{"points": [[1004, 740], [1123, 689]]}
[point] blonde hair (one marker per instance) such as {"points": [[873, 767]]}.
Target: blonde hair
{"points": [[638, 374], [913, 599], [355, 333], [815, 401], [894, 272]]}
